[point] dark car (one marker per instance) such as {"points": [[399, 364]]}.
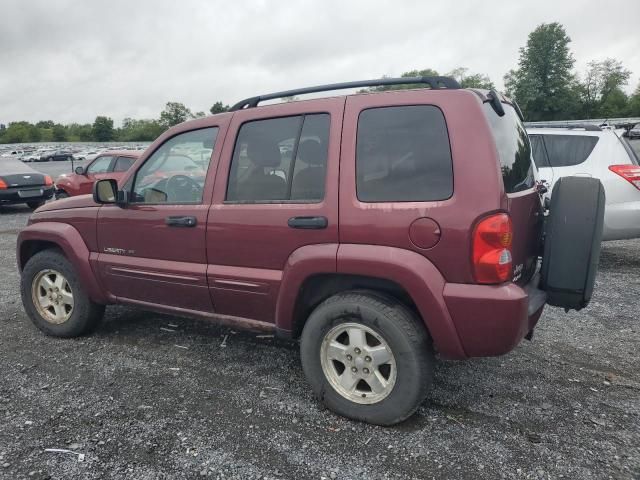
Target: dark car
{"points": [[376, 228], [58, 155], [19, 183], [112, 164]]}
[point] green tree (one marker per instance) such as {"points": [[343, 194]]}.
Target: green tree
{"points": [[103, 129], [45, 124], [219, 107], [471, 80], [139, 130], [173, 114], [634, 103], [543, 84], [602, 93], [59, 133], [16, 132]]}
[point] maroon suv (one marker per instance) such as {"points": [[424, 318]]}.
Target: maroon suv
{"points": [[378, 228]]}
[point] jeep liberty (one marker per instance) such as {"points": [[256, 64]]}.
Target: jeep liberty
{"points": [[377, 228]]}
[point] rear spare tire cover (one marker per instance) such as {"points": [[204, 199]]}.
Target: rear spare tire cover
{"points": [[572, 241]]}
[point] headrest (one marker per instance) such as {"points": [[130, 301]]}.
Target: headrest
{"points": [[264, 153], [312, 153]]}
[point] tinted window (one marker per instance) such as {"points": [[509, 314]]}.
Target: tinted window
{"points": [[280, 159], [123, 164], [569, 150], [403, 154], [100, 165], [538, 151], [633, 156], [176, 172], [514, 150]]}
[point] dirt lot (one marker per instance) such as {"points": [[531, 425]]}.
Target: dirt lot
{"points": [[151, 396]]}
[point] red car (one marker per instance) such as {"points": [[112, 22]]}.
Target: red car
{"points": [[376, 228], [113, 164]]}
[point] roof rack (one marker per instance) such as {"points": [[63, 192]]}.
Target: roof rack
{"points": [[433, 82], [587, 126]]}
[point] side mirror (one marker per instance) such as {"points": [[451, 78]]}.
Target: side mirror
{"points": [[79, 170], [105, 191]]}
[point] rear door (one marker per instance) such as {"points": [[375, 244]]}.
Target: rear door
{"points": [[519, 176], [276, 191]]}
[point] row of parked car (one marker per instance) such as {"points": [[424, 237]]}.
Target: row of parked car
{"points": [[52, 155]]}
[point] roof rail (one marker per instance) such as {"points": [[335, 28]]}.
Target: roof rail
{"points": [[587, 126], [433, 82]]}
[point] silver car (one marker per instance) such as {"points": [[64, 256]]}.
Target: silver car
{"points": [[602, 153]]}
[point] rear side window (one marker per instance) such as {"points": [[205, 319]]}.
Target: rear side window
{"points": [[123, 164], [569, 150], [280, 160], [514, 149], [403, 155]]}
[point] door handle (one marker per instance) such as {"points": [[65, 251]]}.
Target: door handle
{"points": [[308, 223], [181, 221]]}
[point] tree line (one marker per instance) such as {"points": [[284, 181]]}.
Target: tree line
{"points": [[544, 83]]}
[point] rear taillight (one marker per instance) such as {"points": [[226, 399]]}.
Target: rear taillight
{"points": [[48, 181], [630, 173], [492, 240], [3, 184]]}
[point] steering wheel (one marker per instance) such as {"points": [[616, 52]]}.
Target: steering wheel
{"points": [[181, 188]]}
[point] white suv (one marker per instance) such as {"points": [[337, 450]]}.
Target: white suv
{"points": [[591, 151]]}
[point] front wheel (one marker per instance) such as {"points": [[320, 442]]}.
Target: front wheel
{"points": [[367, 357], [54, 299]]}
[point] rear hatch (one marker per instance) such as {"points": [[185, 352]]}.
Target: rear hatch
{"points": [[523, 201]]}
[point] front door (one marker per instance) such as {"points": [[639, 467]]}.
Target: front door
{"points": [[97, 170], [276, 191], [152, 251]]}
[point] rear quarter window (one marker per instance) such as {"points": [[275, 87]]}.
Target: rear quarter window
{"points": [[569, 150], [514, 149], [403, 154]]}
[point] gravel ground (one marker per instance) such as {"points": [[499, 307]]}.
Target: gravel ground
{"points": [[151, 397]]}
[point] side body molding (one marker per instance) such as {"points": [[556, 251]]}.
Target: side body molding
{"points": [[69, 240], [418, 276]]}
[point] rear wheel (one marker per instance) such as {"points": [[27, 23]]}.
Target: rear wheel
{"points": [[367, 357], [34, 205], [54, 299]]}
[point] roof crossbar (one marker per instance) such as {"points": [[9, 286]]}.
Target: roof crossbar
{"points": [[589, 127], [435, 83]]}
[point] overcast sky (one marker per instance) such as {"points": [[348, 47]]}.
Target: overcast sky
{"points": [[71, 60]]}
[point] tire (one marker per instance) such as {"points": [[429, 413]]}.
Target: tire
{"points": [[61, 194], [394, 324], [34, 205], [573, 233], [83, 317]]}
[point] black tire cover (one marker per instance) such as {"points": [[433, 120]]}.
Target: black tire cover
{"points": [[573, 233]]}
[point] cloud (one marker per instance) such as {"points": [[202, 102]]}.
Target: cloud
{"points": [[72, 60]]}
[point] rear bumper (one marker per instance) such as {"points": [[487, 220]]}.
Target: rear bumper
{"points": [[621, 221], [493, 319], [25, 194]]}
